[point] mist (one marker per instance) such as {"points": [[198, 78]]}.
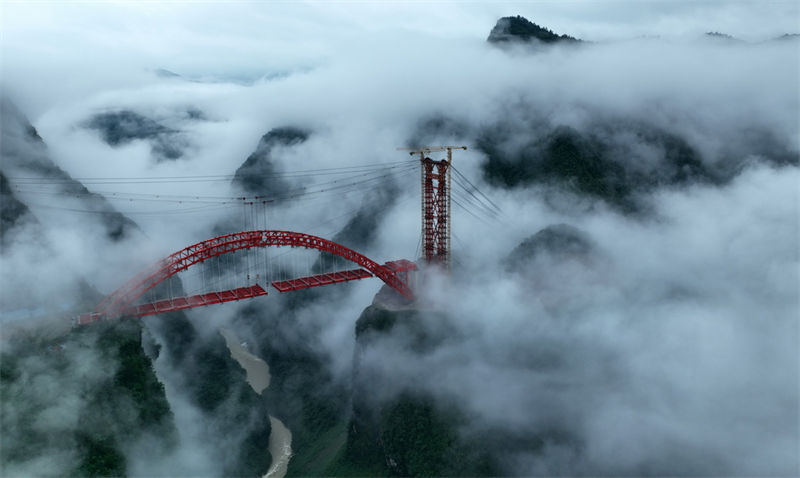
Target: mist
{"points": [[669, 347]]}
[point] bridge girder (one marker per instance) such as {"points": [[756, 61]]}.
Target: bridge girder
{"points": [[123, 297]]}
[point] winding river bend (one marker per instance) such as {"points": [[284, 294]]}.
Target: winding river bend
{"points": [[280, 440]]}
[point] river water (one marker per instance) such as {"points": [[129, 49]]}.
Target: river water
{"points": [[280, 440]]}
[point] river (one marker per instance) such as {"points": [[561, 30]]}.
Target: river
{"points": [[257, 370]]}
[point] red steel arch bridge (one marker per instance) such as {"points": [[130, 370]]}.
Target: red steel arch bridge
{"points": [[205, 267]]}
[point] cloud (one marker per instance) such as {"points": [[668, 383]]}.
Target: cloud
{"points": [[670, 358], [672, 350]]}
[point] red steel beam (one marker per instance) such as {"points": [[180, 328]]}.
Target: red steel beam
{"points": [[180, 303], [210, 298], [320, 280], [117, 302]]}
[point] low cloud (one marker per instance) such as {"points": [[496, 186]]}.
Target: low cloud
{"points": [[670, 348]]}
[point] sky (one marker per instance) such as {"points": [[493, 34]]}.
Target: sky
{"points": [[677, 341], [44, 43]]}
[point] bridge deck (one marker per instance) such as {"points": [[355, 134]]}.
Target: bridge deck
{"points": [[320, 279], [209, 298], [341, 276], [180, 303]]}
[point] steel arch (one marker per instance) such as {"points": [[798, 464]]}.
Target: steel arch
{"points": [[123, 297]]}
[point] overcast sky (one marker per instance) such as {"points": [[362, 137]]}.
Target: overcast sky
{"points": [[48, 46]]}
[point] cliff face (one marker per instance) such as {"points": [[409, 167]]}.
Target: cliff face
{"points": [[24, 155], [89, 403], [198, 366], [257, 175], [81, 404], [96, 385], [13, 212], [236, 414], [403, 430], [302, 392]]}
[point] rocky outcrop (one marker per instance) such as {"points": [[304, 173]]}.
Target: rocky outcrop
{"points": [[520, 30], [559, 241], [258, 175], [118, 128]]}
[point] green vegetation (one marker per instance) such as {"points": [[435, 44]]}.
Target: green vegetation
{"points": [[84, 397], [302, 392], [564, 156], [136, 379], [178, 333], [252, 457], [218, 386], [118, 128], [345, 465], [415, 438], [410, 434], [257, 174], [521, 29], [214, 374], [376, 322], [12, 210], [101, 457], [593, 165], [319, 457]]}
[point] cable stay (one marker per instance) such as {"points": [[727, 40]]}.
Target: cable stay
{"points": [[476, 189], [315, 192], [244, 265], [206, 178], [297, 191]]}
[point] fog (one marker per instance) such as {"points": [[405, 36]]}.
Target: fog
{"points": [[671, 358], [671, 348]]}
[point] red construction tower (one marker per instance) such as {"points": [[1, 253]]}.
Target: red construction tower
{"points": [[436, 204]]}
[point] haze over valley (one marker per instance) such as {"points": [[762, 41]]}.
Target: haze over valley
{"points": [[624, 293]]}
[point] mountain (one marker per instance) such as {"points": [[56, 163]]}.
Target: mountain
{"points": [[616, 160], [559, 242], [13, 212], [363, 227], [399, 431], [723, 37], [788, 37], [75, 404], [402, 410], [164, 73], [100, 379], [121, 127], [257, 175], [25, 156], [521, 30]]}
